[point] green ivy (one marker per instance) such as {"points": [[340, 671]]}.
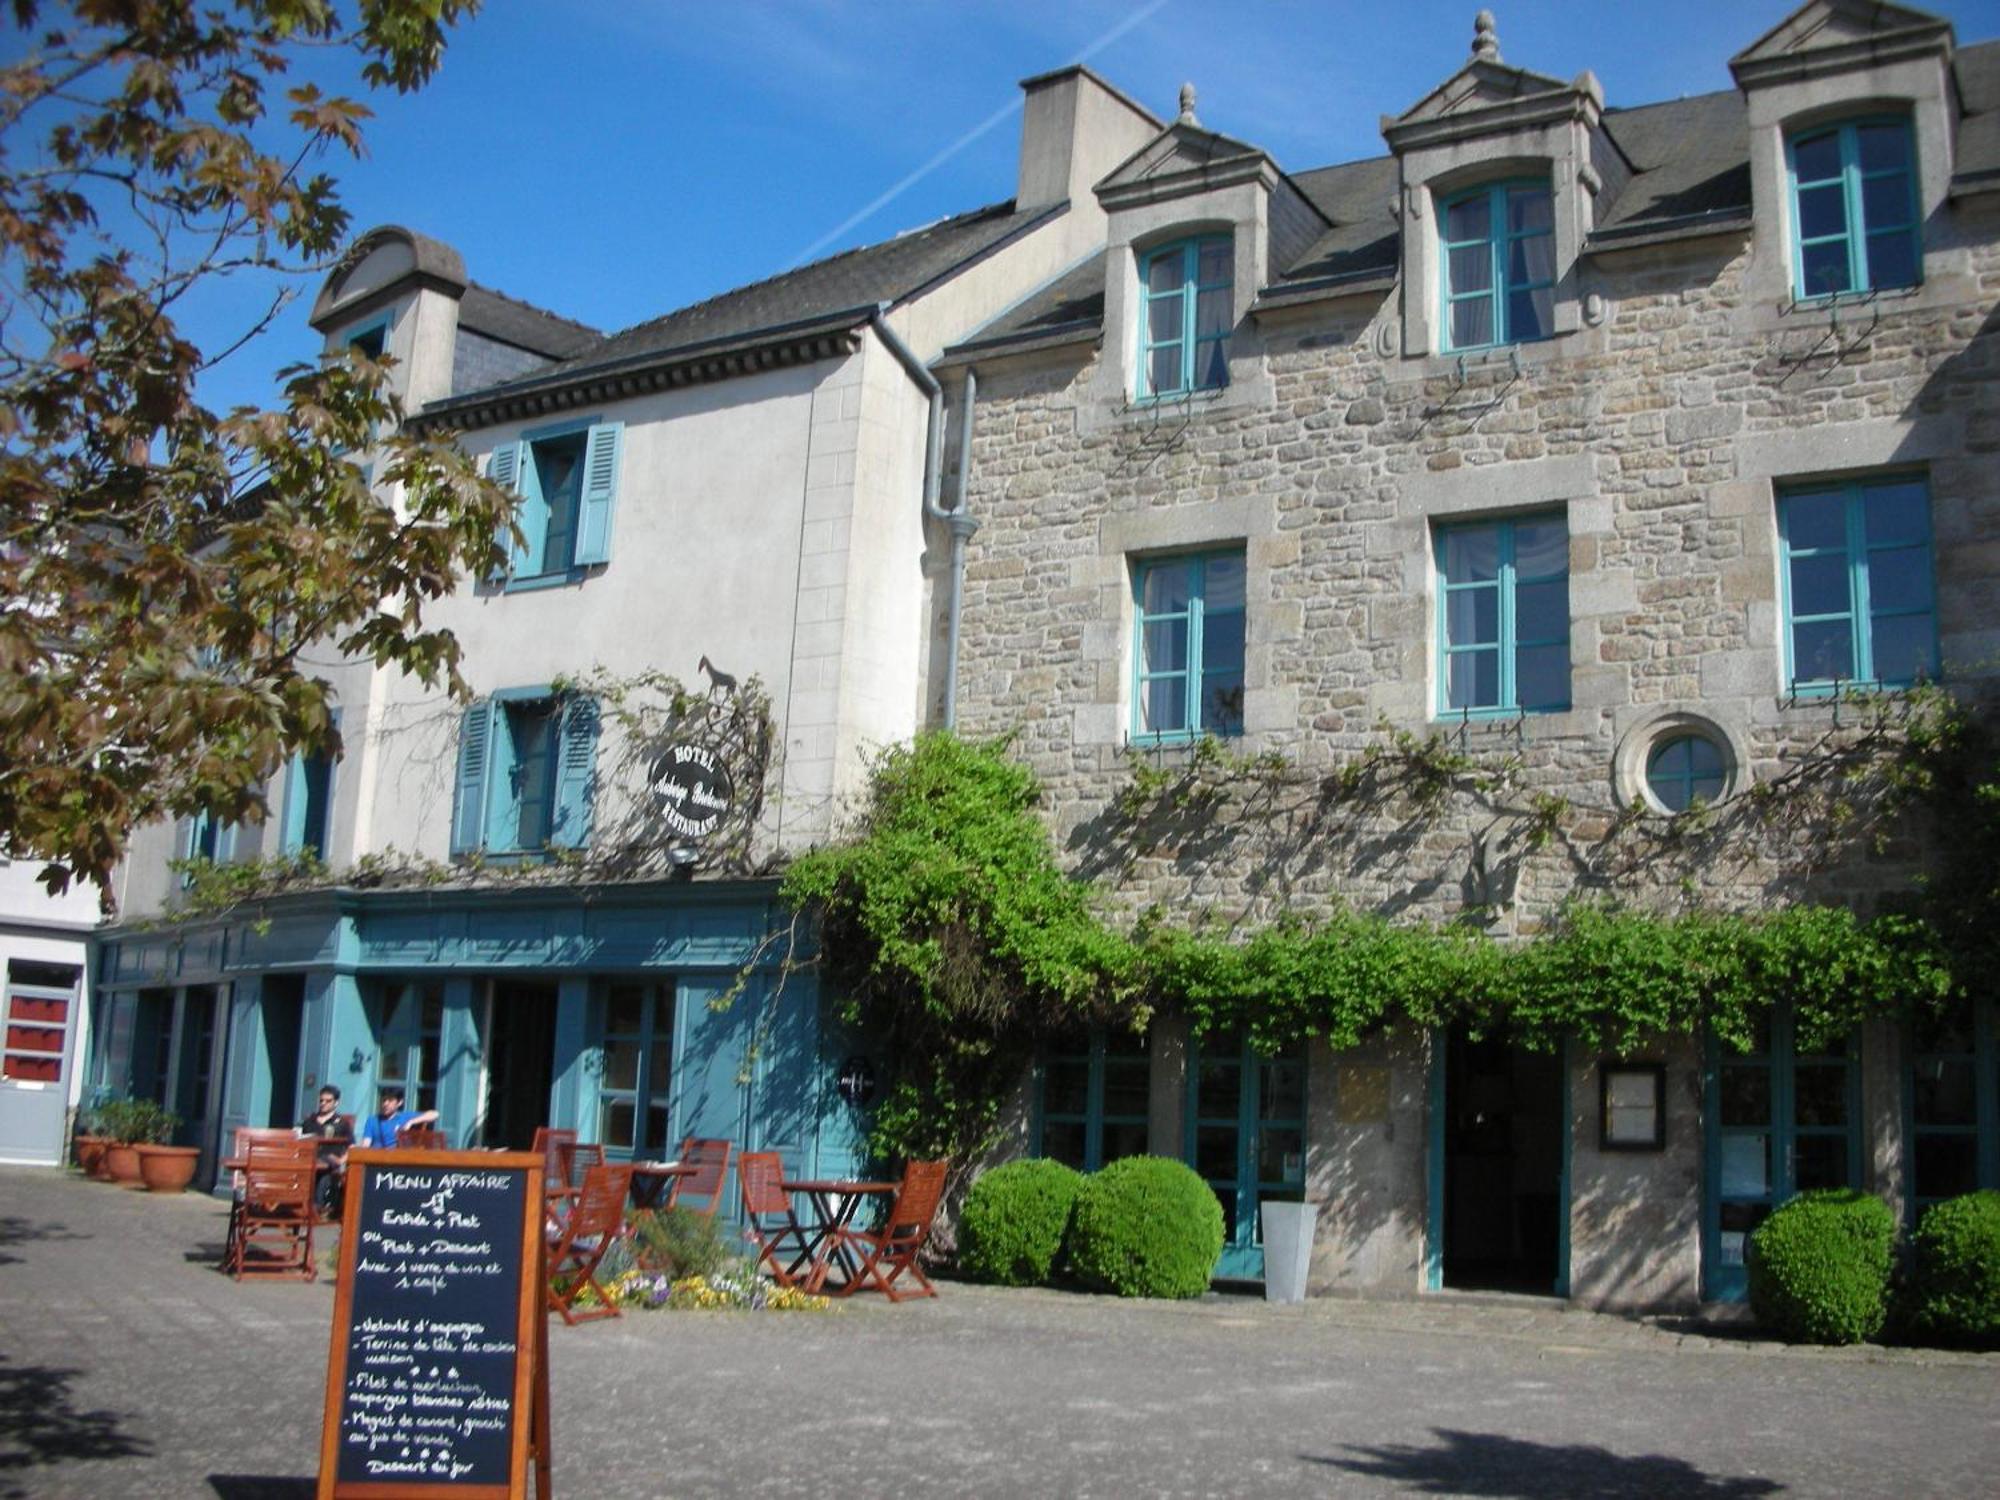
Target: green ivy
{"points": [[954, 937]]}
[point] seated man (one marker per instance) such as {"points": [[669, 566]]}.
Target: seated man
{"points": [[335, 1134], [380, 1129]]}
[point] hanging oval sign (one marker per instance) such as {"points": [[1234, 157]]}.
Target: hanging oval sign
{"points": [[856, 1081], [691, 789]]}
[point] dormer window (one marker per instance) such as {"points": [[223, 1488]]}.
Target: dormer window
{"points": [[1854, 209], [1185, 293], [1499, 260]]}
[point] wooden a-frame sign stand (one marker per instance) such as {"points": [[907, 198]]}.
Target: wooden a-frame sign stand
{"points": [[442, 1291]]}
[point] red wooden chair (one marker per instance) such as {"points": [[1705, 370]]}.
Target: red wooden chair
{"points": [[882, 1256], [592, 1225], [768, 1217], [421, 1138], [558, 1192], [273, 1224], [709, 1156]]}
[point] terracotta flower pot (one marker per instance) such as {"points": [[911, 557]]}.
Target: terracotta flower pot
{"points": [[90, 1151], [167, 1169], [121, 1163]]}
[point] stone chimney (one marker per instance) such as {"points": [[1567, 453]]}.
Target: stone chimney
{"points": [[1075, 128]]}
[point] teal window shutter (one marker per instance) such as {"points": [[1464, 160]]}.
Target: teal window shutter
{"points": [[577, 760], [503, 467], [468, 813], [600, 491]]}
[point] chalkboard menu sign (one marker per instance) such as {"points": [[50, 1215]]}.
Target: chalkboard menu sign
{"points": [[437, 1379]]}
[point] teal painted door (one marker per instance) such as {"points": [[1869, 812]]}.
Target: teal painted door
{"points": [[1779, 1122], [1246, 1137]]}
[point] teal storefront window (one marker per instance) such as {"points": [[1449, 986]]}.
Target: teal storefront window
{"points": [[1779, 1122], [1951, 1104], [633, 1118], [409, 1023], [1092, 1099]]}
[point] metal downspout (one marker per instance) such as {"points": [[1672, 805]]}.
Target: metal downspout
{"points": [[961, 525]]}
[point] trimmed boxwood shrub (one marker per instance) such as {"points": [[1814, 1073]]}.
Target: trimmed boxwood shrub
{"points": [[1956, 1294], [1819, 1267], [1013, 1221], [1146, 1226]]}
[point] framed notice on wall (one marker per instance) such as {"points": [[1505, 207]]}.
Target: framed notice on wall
{"points": [[1633, 1097], [437, 1376]]}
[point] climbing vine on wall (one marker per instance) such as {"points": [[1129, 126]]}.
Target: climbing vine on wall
{"points": [[953, 933]]}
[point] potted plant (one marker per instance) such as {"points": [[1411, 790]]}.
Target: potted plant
{"points": [[164, 1168], [129, 1124], [91, 1144]]}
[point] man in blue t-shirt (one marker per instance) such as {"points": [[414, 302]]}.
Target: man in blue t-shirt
{"points": [[379, 1130]]}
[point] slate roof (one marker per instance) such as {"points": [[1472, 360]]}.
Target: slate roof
{"points": [[512, 321], [840, 291], [1691, 175]]}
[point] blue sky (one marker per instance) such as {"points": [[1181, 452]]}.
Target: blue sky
{"points": [[614, 159]]}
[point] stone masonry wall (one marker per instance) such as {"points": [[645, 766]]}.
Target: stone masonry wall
{"points": [[1662, 434]]}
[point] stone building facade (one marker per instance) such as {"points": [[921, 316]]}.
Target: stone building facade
{"points": [[1585, 553]]}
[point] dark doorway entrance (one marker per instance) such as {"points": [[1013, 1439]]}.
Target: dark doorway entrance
{"points": [[1503, 1121], [283, 1004], [521, 1059]]}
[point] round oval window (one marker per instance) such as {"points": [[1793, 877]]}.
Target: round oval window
{"points": [[1684, 768]]}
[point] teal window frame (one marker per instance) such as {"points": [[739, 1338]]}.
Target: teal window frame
{"points": [[1195, 671], [644, 1041], [1676, 784], [1252, 1124], [383, 323], [1500, 242], [1195, 371], [1780, 1063], [309, 786], [1861, 613], [206, 838], [1981, 1058], [1856, 231], [527, 773], [560, 543], [1506, 642], [408, 1022], [1095, 1057]]}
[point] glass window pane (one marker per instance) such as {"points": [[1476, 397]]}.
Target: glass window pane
{"points": [[1472, 323], [1946, 1165], [1167, 588], [1066, 1086], [1746, 1167], [1896, 514], [1950, 1032], [1824, 268], [1222, 643], [1541, 611], [621, 1065], [623, 1008], [1541, 548], [1163, 706], [1163, 320], [1212, 313], [1218, 263], [1943, 1092], [1216, 1088], [1127, 1086], [1282, 1094], [1885, 203], [1222, 583], [614, 1123], [657, 1129], [1211, 364], [1222, 703], [1167, 272], [1905, 648], [1672, 758], [1474, 680], [1822, 211], [1167, 646], [1883, 147], [1899, 580], [1281, 1155], [1541, 677], [660, 1068], [1529, 210], [1472, 554], [1469, 219], [1821, 1162], [1745, 1093], [1215, 1151], [1818, 158], [1471, 268], [1062, 1140], [1820, 1095], [1820, 584], [1815, 520], [1892, 259], [1163, 370], [1471, 616], [1123, 1138], [1531, 261], [1530, 315], [1822, 652]]}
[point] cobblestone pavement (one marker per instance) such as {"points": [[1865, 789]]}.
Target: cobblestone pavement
{"points": [[128, 1366]]}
